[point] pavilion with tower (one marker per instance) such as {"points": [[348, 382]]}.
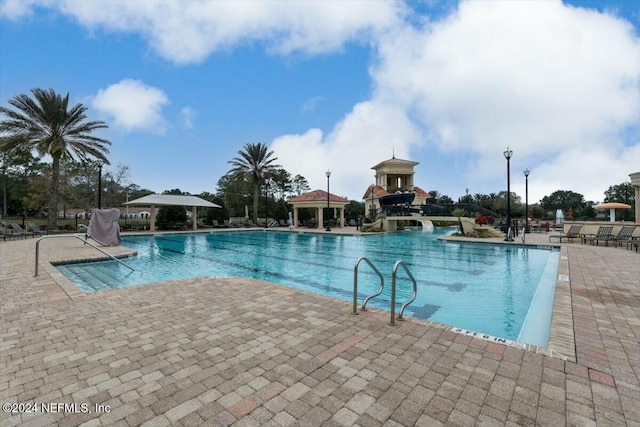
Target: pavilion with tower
{"points": [[392, 176]]}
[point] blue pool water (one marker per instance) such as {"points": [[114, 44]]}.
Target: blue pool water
{"points": [[501, 290]]}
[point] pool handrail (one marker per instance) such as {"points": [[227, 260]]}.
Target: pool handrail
{"points": [[393, 291], [355, 284], [77, 236]]}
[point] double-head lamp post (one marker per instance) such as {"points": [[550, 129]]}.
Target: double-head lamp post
{"points": [[507, 155], [526, 200], [328, 205]]}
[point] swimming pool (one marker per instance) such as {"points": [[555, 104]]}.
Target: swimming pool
{"points": [[501, 290]]}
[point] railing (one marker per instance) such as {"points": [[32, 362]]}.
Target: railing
{"points": [[393, 291], [84, 240], [355, 284], [432, 209], [393, 288]]}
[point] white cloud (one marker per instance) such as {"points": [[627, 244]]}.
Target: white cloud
{"points": [[557, 84], [599, 168], [15, 10], [188, 115], [185, 32], [133, 105], [366, 136]]}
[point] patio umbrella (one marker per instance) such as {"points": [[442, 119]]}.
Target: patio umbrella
{"points": [[570, 214], [612, 206]]}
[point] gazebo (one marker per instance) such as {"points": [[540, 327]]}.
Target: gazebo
{"points": [[317, 199], [154, 200]]}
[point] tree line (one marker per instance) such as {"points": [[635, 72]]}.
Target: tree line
{"points": [[44, 126]]}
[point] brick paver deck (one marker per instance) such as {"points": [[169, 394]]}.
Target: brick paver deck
{"points": [[241, 352]]}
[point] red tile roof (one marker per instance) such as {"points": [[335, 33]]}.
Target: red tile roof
{"points": [[420, 192], [318, 196], [396, 161]]}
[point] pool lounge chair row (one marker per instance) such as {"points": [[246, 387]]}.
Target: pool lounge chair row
{"points": [[604, 234], [17, 231]]}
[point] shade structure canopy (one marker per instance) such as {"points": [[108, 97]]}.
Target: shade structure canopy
{"points": [[154, 200], [612, 206], [318, 200]]}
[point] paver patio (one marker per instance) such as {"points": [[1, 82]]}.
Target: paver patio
{"points": [[230, 351]]}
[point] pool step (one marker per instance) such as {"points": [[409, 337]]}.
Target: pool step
{"points": [[95, 276]]}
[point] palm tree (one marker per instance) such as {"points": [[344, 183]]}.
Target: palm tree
{"points": [[45, 124], [458, 213], [254, 162]]}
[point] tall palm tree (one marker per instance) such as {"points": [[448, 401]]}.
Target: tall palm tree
{"points": [[254, 162], [45, 124]]}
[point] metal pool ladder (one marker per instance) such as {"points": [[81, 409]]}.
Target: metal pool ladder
{"points": [[85, 241], [393, 291], [393, 288], [355, 284]]}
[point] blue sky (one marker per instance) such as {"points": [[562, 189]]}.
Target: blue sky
{"points": [[341, 85]]}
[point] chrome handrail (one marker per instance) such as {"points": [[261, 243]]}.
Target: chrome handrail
{"points": [[393, 292], [355, 285], [77, 237]]}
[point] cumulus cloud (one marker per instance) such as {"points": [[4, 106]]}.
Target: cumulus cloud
{"points": [[15, 10], [186, 32], [367, 135], [133, 105], [560, 85], [556, 83]]}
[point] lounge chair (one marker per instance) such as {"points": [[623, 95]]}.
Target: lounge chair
{"points": [[35, 229], [603, 233], [21, 231], [573, 233], [7, 234], [624, 236]]}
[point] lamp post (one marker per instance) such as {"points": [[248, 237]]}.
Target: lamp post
{"points": [[507, 155], [266, 202], [526, 200], [100, 184], [468, 203], [328, 208]]}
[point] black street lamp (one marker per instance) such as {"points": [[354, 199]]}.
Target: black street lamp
{"points": [[507, 155], [100, 184], [526, 200], [468, 203], [267, 182], [328, 208]]}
